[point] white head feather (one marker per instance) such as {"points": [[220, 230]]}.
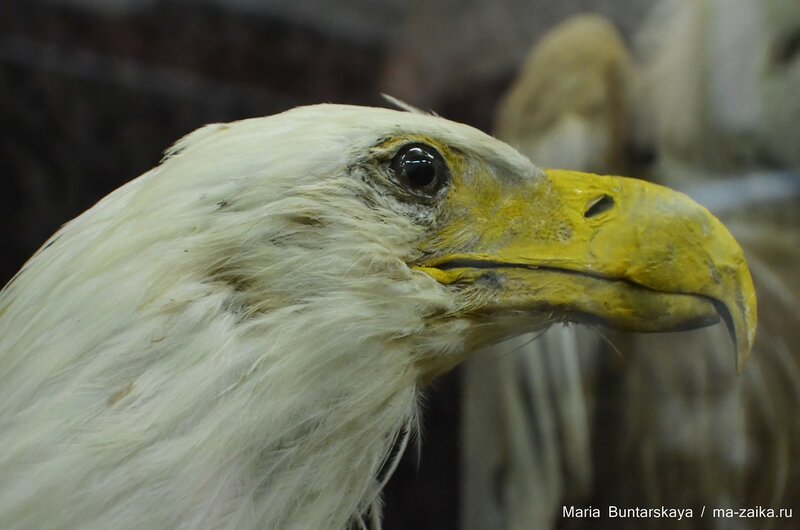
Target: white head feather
{"points": [[231, 340]]}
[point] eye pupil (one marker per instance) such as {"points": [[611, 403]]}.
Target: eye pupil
{"points": [[420, 169]]}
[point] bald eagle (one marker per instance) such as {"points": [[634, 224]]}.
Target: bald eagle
{"points": [[238, 338]]}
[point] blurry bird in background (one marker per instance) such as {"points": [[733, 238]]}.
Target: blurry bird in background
{"points": [[719, 86], [572, 103], [238, 338], [716, 97]]}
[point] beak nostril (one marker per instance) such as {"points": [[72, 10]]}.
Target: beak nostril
{"points": [[599, 206]]}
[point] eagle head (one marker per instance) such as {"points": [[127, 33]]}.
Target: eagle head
{"points": [[236, 339]]}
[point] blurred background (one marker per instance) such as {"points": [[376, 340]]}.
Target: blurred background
{"points": [[92, 92]]}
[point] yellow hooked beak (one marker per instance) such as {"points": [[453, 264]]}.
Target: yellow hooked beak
{"points": [[631, 254]]}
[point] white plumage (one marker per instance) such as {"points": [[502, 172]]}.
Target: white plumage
{"points": [[208, 277]]}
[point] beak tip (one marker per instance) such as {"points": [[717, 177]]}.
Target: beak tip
{"points": [[743, 321], [741, 324]]}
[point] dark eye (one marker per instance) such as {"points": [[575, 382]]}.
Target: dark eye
{"points": [[420, 169]]}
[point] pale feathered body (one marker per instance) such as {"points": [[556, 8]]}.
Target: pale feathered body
{"points": [[719, 85]]}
